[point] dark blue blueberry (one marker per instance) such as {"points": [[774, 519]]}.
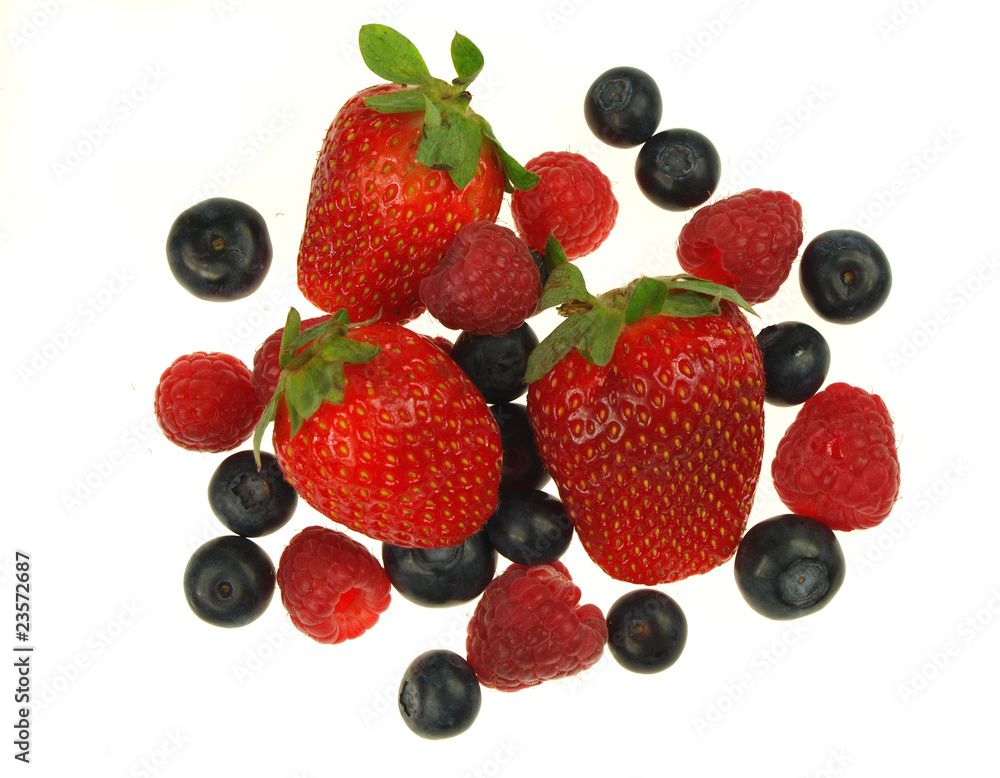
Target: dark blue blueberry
{"points": [[248, 501], [219, 249], [796, 362], [439, 695], [441, 577], [496, 364], [229, 581], [543, 270], [623, 107], [647, 631], [530, 527], [678, 169], [789, 566], [844, 276], [522, 465]]}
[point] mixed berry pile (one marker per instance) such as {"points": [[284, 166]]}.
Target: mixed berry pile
{"points": [[644, 408]]}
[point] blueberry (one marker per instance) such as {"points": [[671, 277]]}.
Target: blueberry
{"points": [[229, 581], [522, 465], [439, 695], [249, 502], [789, 566], [796, 362], [543, 270], [647, 631], [678, 169], [441, 577], [623, 107], [844, 276], [496, 364], [530, 527], [219, 249]]}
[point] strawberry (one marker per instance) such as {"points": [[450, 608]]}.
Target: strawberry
{"points": [[647, 408], [381, 431], [403, 166]]}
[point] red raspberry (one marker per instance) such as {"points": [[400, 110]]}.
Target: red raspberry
{"points": [[266, 365], [529, 627], [746, 241], [205, 402], [573, 200], [486, 283], [837, 461], [333, 588]]}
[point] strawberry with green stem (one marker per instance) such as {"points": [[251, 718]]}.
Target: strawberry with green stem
{"points": [[379, 430], [647, 408], [403, 166]]}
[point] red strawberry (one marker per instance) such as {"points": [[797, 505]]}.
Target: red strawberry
{"points": [[379, 430], [529, 627], [647, 407], [402, 168]]}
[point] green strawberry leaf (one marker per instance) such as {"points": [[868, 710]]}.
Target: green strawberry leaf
{"points": [[403, 101], [648, 296], [265, 420], [344, 350], [715, 291], [515, 175], [564, 285], [555, 254], [451, 142], [312, 369], [597, 343], [467, 59], [557, 344], [453, 134], [391, 55]]}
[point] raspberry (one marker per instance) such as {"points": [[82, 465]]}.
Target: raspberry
{"points": [[486, 283], [333, 588], [529, 627], [746, 241], [205, 402], [266, 364], [573, 200], [837, 461]]}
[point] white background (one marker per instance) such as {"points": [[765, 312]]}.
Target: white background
{"points": [[874, 115]]}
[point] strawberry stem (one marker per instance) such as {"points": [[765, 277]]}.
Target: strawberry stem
{"points": [[312, 369], [453, 134]]}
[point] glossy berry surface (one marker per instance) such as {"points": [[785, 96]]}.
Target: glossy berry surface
{"points": [[496, 364], [219, 249], [796, 362], [623, 107], [789, 566], [522, 465], [441, 577], [678, 169], [439, 695], [530, 527], [844, 275], [229, 581], [249, 501], [647, 631]]}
